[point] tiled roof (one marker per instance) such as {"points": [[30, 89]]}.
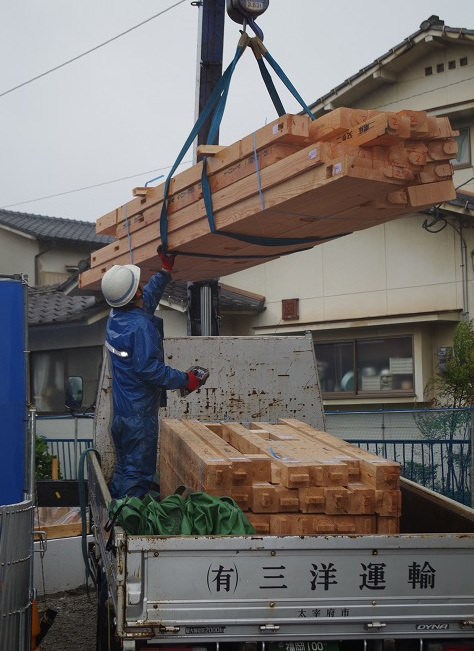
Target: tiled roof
{"points": [[42, 227], [47, 305]]}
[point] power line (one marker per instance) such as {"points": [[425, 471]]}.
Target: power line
{"points": [[427, 92], [97, 47], [89, 187]]}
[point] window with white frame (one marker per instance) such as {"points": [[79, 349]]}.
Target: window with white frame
{"points": [[463, 159], [366, 366]]}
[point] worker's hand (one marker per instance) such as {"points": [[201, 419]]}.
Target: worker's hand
{"points": [[167, 259], [194, 381]]}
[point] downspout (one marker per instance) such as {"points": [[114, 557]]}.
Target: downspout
{"points": [[37, 256], [465, 291]]}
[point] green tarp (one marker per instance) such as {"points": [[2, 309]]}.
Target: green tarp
{"points": [[197, 514]]}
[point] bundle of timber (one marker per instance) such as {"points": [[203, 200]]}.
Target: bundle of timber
{"points": [[295, 181], [288, 478]]}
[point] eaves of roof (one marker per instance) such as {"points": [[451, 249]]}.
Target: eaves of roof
{"points": [[231, 299], [463, 203], [461, 208], [431, 31]]}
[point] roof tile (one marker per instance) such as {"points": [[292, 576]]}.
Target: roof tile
{"points": [[54, 228]]}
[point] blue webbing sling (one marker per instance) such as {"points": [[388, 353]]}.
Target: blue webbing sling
{"points": [[215, 107]]}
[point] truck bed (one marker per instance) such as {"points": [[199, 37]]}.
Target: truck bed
{"points": [[215, 589], [275, 588]]}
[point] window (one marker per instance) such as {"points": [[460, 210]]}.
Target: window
{"points": [[363, 366], [51, 368], [463, 158]]}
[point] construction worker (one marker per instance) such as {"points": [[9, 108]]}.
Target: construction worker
{"points": [[134, 338]]}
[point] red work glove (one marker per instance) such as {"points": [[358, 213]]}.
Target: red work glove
{"points": [[193, 381], [167, 259]]}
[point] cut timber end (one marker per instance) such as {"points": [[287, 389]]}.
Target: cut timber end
{"points": [[143, 193], [295, 492], [429, 194], [209, 150]]}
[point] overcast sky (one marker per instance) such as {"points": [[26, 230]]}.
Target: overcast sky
{"points": [[124, 110]]}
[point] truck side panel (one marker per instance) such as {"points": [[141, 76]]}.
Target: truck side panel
{"points": [[286, 587]]}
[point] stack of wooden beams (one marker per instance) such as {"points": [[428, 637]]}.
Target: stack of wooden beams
{"points": [[288, 478], [293, 178]]}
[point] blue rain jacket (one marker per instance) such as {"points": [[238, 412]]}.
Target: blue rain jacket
{"points": [[134, 337]]}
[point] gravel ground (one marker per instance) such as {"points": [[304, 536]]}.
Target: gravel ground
{"points": [[74, 627]]}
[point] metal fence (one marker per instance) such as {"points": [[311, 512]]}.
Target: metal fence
{"points": [[433, 446], [443, 466], [68, 453]]}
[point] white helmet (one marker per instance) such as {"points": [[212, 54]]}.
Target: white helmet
{"points": [[120, 283]]}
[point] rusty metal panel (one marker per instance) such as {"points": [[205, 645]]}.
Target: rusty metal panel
{"points": [[251, 379]]}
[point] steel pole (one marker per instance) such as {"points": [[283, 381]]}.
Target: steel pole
{"points": [[209, 70]]}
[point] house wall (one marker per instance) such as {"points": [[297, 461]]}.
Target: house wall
{"points": [[23, 254], [60, 336], [391, 269], [17, 254], [415, 90], [53, 263], [174, 322]]}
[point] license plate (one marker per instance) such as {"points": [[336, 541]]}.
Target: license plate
{"points": [[313, 645]]}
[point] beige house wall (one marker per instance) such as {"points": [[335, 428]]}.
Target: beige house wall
{"points": [[393, 269], [53, 264], [413, 89], [17, 254], [24, 254]]}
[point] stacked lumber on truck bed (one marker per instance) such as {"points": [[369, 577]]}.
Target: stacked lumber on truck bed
{"points": [[288, 478], [293, 178]]}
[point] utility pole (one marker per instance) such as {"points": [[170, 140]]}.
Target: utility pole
{"points": [[203, 297]]}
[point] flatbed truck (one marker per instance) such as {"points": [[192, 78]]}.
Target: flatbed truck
{"points": [[412, 590]]}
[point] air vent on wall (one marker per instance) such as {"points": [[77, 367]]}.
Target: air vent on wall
{"points": [[289, 308]]}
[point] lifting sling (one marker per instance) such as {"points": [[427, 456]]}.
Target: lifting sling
{"points": [[215, 108]]}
